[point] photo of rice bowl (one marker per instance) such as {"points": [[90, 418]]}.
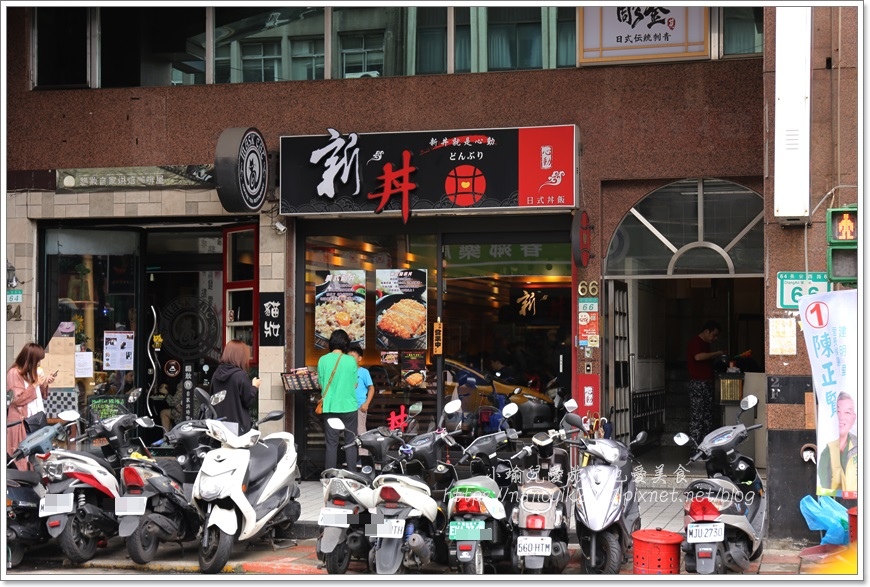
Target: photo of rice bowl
{"points": [[347, 313]]}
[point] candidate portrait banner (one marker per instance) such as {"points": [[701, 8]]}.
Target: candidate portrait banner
{"points": [[830, 326]]}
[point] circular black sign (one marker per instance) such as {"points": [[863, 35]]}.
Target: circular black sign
{"points": [[242, 169], [172, 368], [190, 328]]}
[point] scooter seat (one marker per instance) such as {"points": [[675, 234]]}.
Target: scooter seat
{"points": [[27, 477], [481, 481], [342, 473], [171, 468], [264, 459]]}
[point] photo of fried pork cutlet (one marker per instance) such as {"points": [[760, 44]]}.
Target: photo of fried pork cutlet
{"points": [[404, 319]]}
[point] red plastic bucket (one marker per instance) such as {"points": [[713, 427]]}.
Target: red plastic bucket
{"points": [[656, 552], [853, 524]]}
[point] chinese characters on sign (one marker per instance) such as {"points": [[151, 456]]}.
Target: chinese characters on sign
{"points": [[613, 33], [271, 319], [458, 170]]}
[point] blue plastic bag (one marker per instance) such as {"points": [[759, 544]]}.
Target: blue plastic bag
{"points": [[828, 516]]}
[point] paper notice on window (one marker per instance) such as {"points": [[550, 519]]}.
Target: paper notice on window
{"points": [[783, 336], [84, 365], [118, 350]]}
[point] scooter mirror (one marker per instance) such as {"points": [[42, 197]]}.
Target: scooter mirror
{"points": [[509, 410], [271, 416], [69, 415], [748, 402], [207, 410], [134, 395], [145, 422], [570, 405], [808, 453], [335, 423], [641, 437], [681, 439], [415, 408], [452, 406]]}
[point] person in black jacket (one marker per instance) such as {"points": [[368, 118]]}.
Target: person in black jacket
{"points": [[231, 390]]}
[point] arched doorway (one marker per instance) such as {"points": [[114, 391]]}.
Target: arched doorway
{"points": [[690, 251]]}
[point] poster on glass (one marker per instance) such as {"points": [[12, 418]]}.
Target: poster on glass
{"points": [[340, 303], [400, 310]]}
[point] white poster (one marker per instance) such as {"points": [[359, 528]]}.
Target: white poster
{"points": [[84, 365], [118, 350], [830, 328]]}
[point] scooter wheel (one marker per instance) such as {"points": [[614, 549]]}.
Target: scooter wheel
{"points": [[215, 557], [338, 560], [608, 555], [15, 553], [142, 545], [474, 567], [77, 547]]}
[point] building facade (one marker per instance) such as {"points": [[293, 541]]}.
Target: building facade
{"points": [[117, 219]]}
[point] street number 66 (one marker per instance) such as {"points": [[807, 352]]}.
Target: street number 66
{"points": [[590, 288]]}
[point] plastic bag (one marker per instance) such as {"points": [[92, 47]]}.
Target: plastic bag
{"points": [[828, 516]]}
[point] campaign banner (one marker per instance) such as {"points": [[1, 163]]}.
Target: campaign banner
{"points": [[830, 327]]}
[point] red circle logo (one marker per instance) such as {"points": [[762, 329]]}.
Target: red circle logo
{"points": [[465, 185]]}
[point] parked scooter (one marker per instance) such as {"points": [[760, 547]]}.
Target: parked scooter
{"points": [[348, 496], [606, 511], [24, 528], [540, 522], [478, 528], [155, 505], [726, 513], [408, 523], [247, 482], [79, 499]]}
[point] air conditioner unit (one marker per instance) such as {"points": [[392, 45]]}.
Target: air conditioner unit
{"points": [[362, 74]]}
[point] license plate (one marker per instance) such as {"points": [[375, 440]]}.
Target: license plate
{"points": [[336, 517], [466, 530], [55, 503], [388, 529], [711, 532], [130, 505], [534, 545]]}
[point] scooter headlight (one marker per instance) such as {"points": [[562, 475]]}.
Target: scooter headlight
{"points": [[211, 488]]}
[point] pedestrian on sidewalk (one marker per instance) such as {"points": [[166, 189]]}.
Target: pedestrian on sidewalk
{"points": [[232, 391], [28, 385], [365, 390]]}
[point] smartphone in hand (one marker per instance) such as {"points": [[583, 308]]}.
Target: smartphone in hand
{"points": [[55, 373]]}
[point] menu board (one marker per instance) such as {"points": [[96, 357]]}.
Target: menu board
{"points": [[340, 303], [301, 379], [101, 407], [401, 309], [414, 368]]}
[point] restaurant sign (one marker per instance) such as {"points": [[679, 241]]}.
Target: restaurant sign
{"points": [[530, 168]]}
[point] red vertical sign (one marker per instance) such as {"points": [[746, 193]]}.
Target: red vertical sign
{"points": [[547, 175]]}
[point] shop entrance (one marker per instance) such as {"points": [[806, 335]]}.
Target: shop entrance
{"points": [[687, 253]]}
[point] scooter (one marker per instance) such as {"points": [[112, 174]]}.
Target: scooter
{"points": [[348, 496], [79, 499], [606, 511], [24, 489], [540, 523], [155, 504], [478, 527], [726, 513], [408, 523], [245, 490]]}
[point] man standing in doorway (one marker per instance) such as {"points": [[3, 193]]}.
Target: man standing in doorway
{"points": [[699, 360]]}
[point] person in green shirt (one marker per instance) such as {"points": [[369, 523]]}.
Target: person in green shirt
{"points": [[838, 464], [337, 372]]}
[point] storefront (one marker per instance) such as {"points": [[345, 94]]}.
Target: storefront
{"points": [[478, 252]]}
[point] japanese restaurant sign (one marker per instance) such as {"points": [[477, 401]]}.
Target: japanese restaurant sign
{"points": [[613, 33], [532, 168]]}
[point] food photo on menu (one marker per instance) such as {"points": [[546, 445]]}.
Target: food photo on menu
{"points": [[401, 309], [340, 303]]}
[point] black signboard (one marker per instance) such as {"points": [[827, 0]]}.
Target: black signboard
{"points": [[532, 167], [271, 318], [101, 407]]}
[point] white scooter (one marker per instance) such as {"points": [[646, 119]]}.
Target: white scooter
{"points": [[246, 480], [406, 520]]}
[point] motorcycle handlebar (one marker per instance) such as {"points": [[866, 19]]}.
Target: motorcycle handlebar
{"points": [[527, 450], [696, 456], [754, 427]]}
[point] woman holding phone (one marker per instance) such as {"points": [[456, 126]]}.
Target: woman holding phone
{"points": [[29, 387]]}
